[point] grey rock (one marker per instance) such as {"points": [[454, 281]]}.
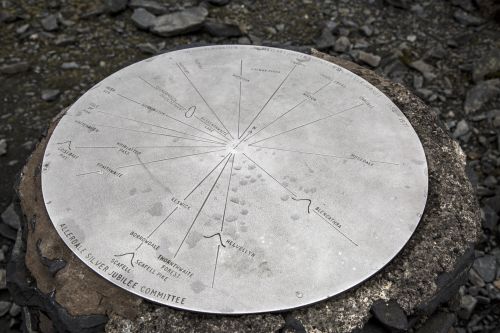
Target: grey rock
{"points": [[15, 310], [369, 58], [10, 217], [475, 279], [50, 95], [424, 68], [489, 217], [467, 305], [115, 6], [151, 6], [22, 29], [326, 40], [3, 147], [481, 93], [4, 308], [461, 129], [367, 30], [50, 23], [464, 4], [487, 64], [438, 323], [188, 20], [7, 232], [467, 19], [218, 29], [486, 267], [18, 67], [64, 40], [148, 48], [342, 44], [70, 65], [390, 314], [3, 279], [143, 19]]}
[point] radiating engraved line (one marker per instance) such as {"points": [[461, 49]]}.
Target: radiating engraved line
{"points": [[290, 110], [199, 210], [173, 146], [167, 159], [304, 152], [204, 100], [383, 162], [158, 126], [213, 136], [88, 173], [173, 118], [270, 175], [215, 266], [331, 225], [157, 227], [194, 188], [306, 124], [239, 98], [97, 147], [270, 98], [155, 133], [227, 194]]}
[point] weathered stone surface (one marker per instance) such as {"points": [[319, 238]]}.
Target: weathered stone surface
{"points": [[151, 6], [480, 94], [488, 64], [218, 29], [188, 20], [143, 19], [83, 301]]}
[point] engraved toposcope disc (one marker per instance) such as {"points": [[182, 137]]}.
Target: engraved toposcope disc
{"points": [[234, 179]]}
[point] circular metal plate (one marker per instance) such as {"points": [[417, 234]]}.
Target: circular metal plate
{"points": [[234, 179]]}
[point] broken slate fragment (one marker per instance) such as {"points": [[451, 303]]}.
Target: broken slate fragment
{"points": [[181, 22], [467, 19], [424, 68], [480, 94], [488, 64], [143, 19], [15, 68], [50, 23], [115, 6], [326, 40], [343, 44], [390, 314], [369, 58], [10, 217], [461, 129], [218, 29], [151, 6], [50, 95], [3, 147], [486, 267]]}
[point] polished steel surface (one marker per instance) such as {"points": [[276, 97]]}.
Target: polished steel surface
{"points": [[234, 179]]}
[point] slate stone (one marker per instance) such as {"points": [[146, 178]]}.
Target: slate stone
{"points": [[10, 217], [369, 58], [467, 19], [488, 64], [153, 7], [441, 322], [7, 231], [467, 305], [143, 19], [64, 40], [15, 310], [50, 23], [15, 68], [342, 44], [480, 94], [3, 279], [390, 314], [326, 40], [3, 147], [424, 68], [486, 267], [218, 29], [476, 279], [489, 218], [50, 95], [4, 308], [181, 22], [115, 6], [461, 129]]}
